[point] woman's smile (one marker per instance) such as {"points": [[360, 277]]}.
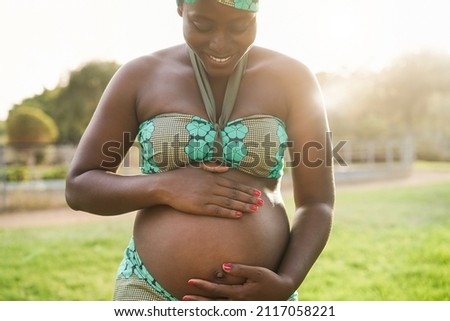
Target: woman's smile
{"points": [[220, 60]]}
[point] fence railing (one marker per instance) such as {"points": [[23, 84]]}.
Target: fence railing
{"points": [[364, 160]]}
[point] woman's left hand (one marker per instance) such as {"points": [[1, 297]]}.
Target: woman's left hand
{"points": [[261, 285]]}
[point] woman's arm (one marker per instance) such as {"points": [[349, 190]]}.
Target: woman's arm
{"points": [[312, 175], [91, 183]]}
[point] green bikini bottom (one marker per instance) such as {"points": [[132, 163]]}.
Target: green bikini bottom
{"points": [[135, 283]]}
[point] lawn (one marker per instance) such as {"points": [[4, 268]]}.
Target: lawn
{"points": [[386, 244]]}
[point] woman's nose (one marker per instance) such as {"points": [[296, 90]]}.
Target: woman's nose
{"points": [[219, 42]]}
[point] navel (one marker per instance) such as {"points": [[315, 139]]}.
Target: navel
{"points": [[219, 275]]}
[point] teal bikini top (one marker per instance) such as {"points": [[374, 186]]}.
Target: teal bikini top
{"points": [[254, 144]]}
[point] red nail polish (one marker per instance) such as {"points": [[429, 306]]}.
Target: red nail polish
{"points": [[191, 282], [185, 299], [227, 267], [260, 201], [238, 214], [254, 208], [257, 193]]}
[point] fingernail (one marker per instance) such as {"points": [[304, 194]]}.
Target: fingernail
{"points": [[257, 193], [238, 214], [227, 267], [185, 298], [254, 208], [260, 201], [191, 282]]}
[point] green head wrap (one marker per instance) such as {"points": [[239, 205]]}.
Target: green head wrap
{"points": [[249, 5]]}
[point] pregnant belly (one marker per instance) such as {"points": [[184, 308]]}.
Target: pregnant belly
{"points": [[176, 247]]}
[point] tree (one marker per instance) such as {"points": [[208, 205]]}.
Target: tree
{"points": [[2, 132], [30, 125], [72, 104], [76, 102], [410, 98], [29, 129], [45, 101]]}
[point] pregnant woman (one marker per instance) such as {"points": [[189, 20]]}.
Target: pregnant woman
{"points": [[213, 118]]}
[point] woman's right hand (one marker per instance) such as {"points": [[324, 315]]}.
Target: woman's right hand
{"points": [[203, 191]]}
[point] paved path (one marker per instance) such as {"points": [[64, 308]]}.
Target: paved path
{"points": [[53, 216], [64, 215]]}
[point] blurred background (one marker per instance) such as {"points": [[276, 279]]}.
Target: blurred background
{"points": [[384, 68]]}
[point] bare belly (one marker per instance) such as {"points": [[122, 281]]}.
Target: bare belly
{"points": [[176, 246]]}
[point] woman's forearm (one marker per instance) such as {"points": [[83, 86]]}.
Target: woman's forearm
{"points": [[309, 235], [105, 193], [189, 190]]}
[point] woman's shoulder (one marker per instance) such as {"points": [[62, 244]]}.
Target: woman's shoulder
{"points": [[280, 66], [269, 57], [164, 59]]}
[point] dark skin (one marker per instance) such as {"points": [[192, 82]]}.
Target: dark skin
{"points": [[273, 84]]}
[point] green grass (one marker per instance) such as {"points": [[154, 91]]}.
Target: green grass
{"points": [[386, 244], [427, 165], [75, 262]]}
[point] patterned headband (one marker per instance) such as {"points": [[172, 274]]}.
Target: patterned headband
{"points": [[249, 5]]}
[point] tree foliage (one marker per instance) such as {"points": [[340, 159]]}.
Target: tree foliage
{"points": [[71, 105], [30, 125], [410, 98], [2, 132], [76, 103]]}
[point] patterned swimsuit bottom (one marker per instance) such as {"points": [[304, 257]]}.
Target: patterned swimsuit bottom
{"points": [[135, 283]]}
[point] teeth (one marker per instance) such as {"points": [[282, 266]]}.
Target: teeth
{"points": [[220, 60]]}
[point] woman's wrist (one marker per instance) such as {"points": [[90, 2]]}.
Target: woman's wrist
{"points": [[160, 190]]}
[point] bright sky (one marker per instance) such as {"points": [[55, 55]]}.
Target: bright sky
{"points": [[42, 41]]}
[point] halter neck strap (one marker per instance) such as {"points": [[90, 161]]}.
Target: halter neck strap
{"points": [[209, 102], [207, 95]]}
